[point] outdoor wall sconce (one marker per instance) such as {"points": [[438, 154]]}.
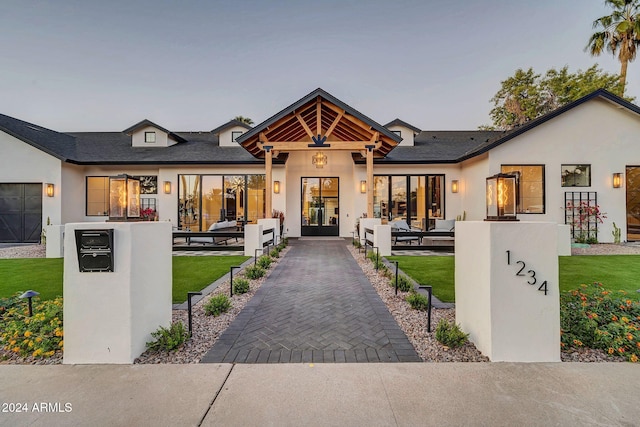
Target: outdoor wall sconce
{"points": [[167, 187], [501, 197], [276, 187], [49, 188], [617, 180], [363, 186], [454, 186], [319, 160], [124, 198]]}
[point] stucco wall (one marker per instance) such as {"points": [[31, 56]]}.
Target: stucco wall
{"points": [[22, 163], [472, 187], [597, 133], [405, 133], [162, 138], [225, 136]]}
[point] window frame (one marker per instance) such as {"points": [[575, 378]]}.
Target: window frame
{"points": [[146, 139], [575, 167], [86, 195], [519, 195], [234, 138]]}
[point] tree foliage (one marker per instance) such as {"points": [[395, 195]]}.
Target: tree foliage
{"points": [[619, 33], [245, 120], [528, 95]]}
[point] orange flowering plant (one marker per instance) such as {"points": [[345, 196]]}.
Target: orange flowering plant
{"points": [[595, 317], [40, 335]]}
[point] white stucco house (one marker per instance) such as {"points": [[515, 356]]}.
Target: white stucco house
{"points": [[324, 164]]}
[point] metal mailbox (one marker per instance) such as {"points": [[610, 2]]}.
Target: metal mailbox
{"points": [[95, 250]]}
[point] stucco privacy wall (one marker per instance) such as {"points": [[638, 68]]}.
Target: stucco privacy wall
{"points": [[22, 163], [597, 133], [109, 316]]}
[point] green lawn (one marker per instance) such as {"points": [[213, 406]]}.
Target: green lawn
{"points": [[616, 272], [190, 273]]}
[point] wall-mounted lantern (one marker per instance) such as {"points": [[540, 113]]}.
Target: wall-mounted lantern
{"points": [[276, 187], [124, 198], [49, 189], [454, 186], [501, 197], [617, 180], [167, 187], [363, 186]]}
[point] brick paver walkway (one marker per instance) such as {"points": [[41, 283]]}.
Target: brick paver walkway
{"points": [[316, 306]]}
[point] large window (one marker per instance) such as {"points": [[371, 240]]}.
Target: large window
{"points": [[97, 196], [418, 199], [207, 199], [530, 179]]}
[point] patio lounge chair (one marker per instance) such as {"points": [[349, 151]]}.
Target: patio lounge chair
{"points": [[402, 227]]}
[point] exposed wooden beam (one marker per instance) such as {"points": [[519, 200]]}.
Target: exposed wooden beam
{"points": [[335, 146], [370, 183], [352, 119], [268, 165], [375, 137], [304, 126], [335, 123], [263, 137], [319, 116]]}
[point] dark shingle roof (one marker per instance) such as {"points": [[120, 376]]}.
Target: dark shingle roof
{"points": [[198, 148], [203, 147], [439, 147], [59, 145]]}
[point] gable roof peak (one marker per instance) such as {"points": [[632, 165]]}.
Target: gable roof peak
{"points": [[230, 123], [398, 122], [148, 123]]}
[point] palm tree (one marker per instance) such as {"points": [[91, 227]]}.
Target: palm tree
{"points": [[620, 33], [245, 120]]}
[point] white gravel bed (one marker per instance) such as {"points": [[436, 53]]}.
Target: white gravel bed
{"points": [[608, 249], [27, 251]]}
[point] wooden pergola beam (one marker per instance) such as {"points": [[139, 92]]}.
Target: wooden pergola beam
{"points": [[332, 146], [304, 126], [334, 124], [319, 116]]}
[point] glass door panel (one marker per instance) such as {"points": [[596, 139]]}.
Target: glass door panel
{"points": [[633, 202], [320, 207]]}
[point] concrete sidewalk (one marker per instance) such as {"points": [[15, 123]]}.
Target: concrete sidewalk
{"points": [[407, 394]]}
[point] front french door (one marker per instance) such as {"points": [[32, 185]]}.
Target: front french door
{"points": [[633, 202], [320, 214]]}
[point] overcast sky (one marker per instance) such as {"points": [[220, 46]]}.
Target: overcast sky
{"points": [[193, 65]]}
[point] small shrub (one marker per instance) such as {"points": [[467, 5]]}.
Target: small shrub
{"points": [[275, 253], [217, 305], [418, 301], [40, 335], [595, 317], [264, 261], [450, 334], [404, 283], [168, 338], [240, 285], [253, 272], [357, 243]]}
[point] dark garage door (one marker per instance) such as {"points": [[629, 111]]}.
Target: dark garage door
{"points": [[20, 213]]}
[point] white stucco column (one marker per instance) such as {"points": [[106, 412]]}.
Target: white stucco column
{"points": [[382, 239], [109, 316], [506, 284], [252, 238], [367, 223]]}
